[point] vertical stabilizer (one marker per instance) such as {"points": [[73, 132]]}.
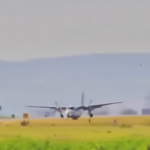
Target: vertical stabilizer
{"points": [[82, 99]]}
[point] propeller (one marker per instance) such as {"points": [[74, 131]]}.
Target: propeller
{"points": [[88, 107], [56, 104], [40, 113], [58, 109], [49, 113]]}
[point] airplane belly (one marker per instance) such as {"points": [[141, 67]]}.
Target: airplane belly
{"points": [[74, 114], [70, 113], [77, 113]]}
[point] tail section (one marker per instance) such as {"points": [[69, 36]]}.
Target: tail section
{"points": [[82, 99]]}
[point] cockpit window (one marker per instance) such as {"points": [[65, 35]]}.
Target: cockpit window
{"points": [[71, 108]]}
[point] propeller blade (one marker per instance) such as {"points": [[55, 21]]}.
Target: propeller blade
{"points": [[40, 113], [58, 108], [56, 104]]}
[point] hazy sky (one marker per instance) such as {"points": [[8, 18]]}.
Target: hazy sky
{"points": [[46, 28], [103, 78]]}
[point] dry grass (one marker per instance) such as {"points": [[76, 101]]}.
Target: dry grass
{"points": [[132, 120], [67, 129]]}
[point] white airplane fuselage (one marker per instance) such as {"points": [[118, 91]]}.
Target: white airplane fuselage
{"points": [[74, 114]]}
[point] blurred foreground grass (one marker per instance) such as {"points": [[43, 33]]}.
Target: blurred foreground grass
{"points": [[130, 133], [130, 143]]}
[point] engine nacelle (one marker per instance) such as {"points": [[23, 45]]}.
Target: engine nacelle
{"points": [[91, 115], [61, 115]]}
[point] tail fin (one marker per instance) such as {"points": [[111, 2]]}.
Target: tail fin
{"points": [[82, 99]]}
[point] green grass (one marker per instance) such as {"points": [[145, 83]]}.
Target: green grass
{"points": [[75, 138], [130, 143], [74, 133]]}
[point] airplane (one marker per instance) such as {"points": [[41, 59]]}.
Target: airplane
{"points": [[75, 112]]}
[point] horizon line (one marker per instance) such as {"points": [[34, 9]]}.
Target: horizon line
{"points": [[75, 55]]}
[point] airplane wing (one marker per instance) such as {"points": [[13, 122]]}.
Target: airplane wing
{"points": [[96, 106], [61, 108], [101, 105]]}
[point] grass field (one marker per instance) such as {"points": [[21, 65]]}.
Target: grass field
{"points": [[129, 133]]}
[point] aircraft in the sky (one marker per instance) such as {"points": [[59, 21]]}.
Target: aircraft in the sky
{"points": [[75, 112]]}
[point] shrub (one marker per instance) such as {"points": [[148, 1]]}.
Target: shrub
{"points": [[24, 123], [13, 116]]}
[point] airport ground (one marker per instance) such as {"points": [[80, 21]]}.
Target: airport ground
{"points": [[114, 133]]}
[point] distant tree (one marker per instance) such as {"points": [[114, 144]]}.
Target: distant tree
{"points": [[128, 111], [102, 112], [147, 98], [13, 116]]}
